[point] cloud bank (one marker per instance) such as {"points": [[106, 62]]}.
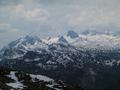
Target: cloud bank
{"points": [[54, 17]]}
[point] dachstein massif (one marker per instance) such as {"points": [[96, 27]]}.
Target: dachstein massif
{"points": [[90, 59]]}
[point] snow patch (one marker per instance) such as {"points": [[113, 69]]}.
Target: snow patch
{"points": [[110, 63], [50, 62], [40, 77], [36, 59], [16, 84]]}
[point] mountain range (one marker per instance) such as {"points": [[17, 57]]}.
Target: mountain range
{"points": [[89, 59]]}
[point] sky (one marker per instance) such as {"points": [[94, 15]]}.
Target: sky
{"points": [[46, 18]]}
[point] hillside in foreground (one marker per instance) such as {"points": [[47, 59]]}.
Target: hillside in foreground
{"points": [[18, 80]]}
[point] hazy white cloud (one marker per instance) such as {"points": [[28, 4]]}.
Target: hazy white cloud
{"points": [[9, 33], [4, 25], [34, 14], [94, 17], [7, 28], [37, 15], [53, 17]]}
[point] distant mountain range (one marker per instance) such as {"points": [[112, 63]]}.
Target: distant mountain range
{"points": [[90, 59]]}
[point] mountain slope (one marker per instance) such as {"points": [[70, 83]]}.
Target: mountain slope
{"points": [[18, 80], [19, 47], [86, 58]]}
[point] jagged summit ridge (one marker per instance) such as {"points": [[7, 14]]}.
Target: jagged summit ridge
{"points": [[33, 43], [91, 56], [24, 41], [22, 45]]}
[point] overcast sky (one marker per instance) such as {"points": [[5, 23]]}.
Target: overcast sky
{"points": [[55, 17]]}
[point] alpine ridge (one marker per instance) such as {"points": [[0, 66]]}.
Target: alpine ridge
{"points": [[88, 58]]}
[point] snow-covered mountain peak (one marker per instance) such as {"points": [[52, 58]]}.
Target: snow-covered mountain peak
{"points": [[72, 34], [62, 40], [56, 40], [87, 41], [24, 41], [20, 46], [27, 42]]}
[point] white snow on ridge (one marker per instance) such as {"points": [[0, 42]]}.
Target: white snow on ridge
{"points": [[51, 40], [31, 43], [90, 41], [50, 62], [112, 62], [16, 84], [36, 59], [41, 77], [95, 41]]}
